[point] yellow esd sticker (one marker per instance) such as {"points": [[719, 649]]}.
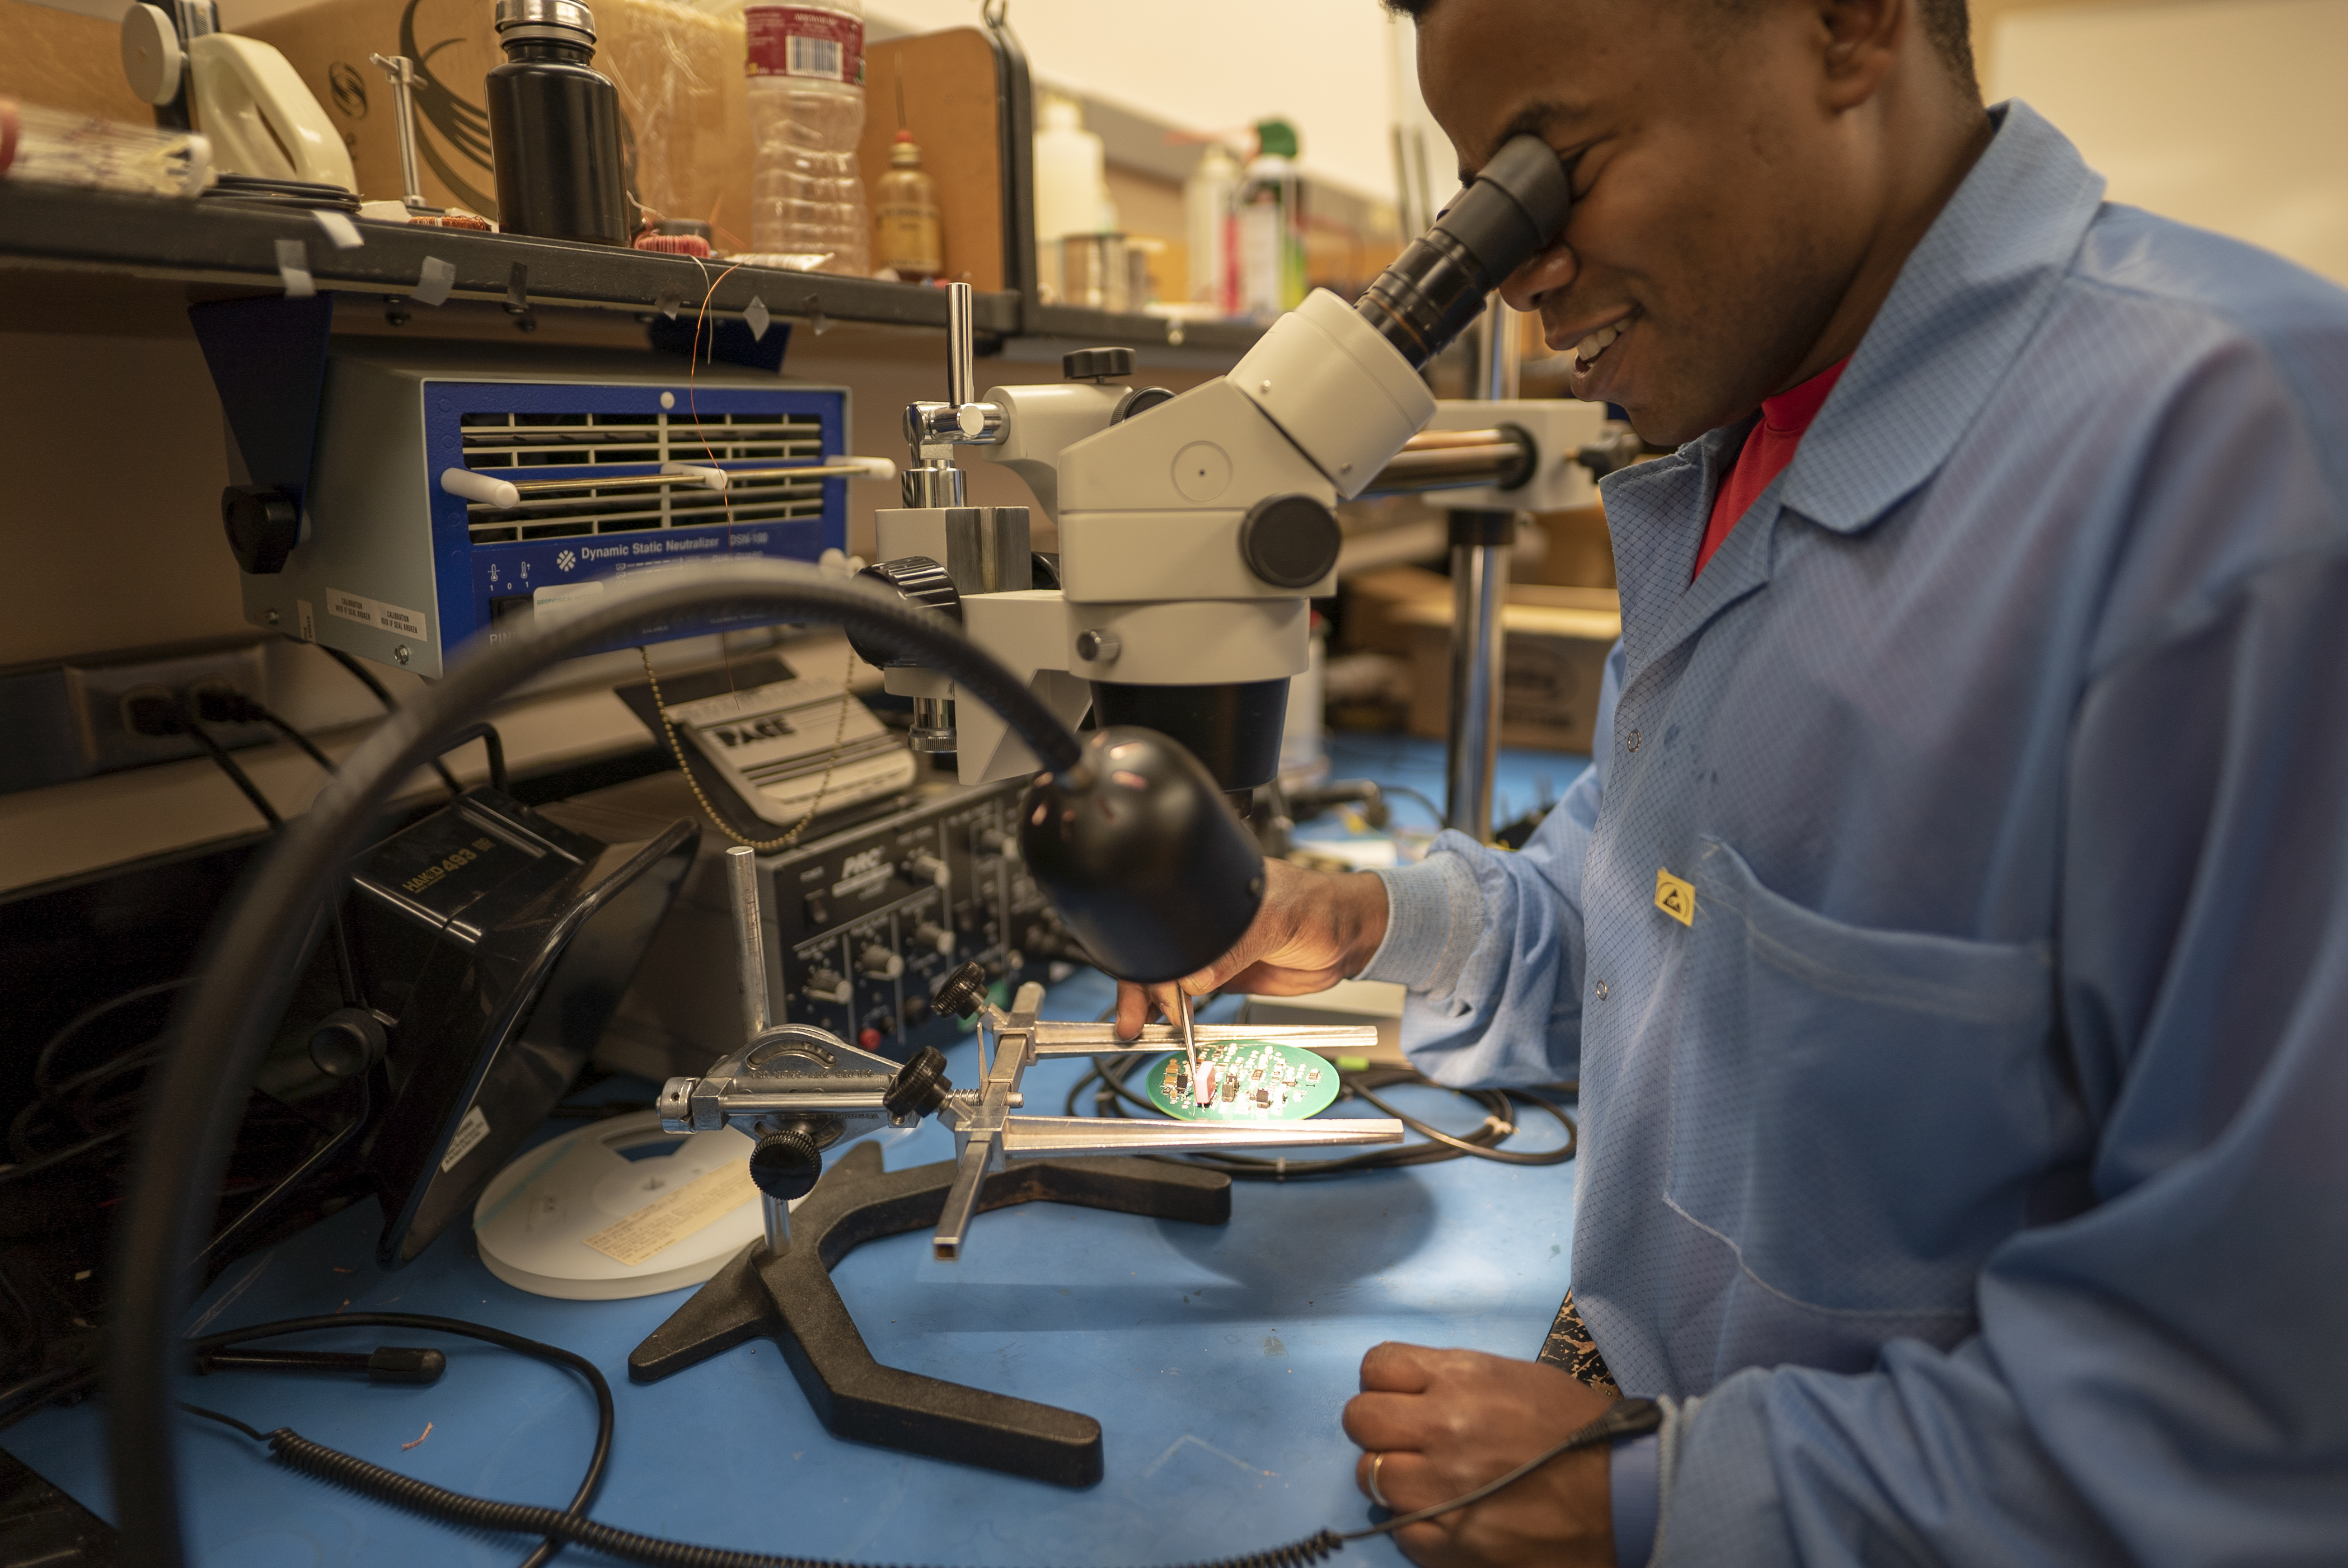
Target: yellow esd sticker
{"points": [[1675, 898]]}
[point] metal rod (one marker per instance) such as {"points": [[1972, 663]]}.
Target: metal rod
{"points": [[961, 346], [749, 938], [1503, 352], [1037, 1137], [1190, 1033], [1054, 1038], [645, 481], [778, 1224], [1449, 467], [1479, 593], [401, 71]]}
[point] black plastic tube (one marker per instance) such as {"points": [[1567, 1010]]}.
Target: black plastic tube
{"points": [[254, 955]]}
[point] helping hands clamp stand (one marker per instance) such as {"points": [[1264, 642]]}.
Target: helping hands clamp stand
{"points": [[798, 1090]]}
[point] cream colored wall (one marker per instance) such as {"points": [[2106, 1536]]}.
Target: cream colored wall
{"points": [[2228, 114]]}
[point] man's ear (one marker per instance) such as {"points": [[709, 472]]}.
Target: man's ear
{"points": [[1861, 41]]}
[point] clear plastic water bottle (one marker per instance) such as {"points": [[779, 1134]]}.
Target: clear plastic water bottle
{"points": [[806, 65]]}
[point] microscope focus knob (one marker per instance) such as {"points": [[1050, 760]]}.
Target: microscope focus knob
{"points": [[785, 1165], [1097, 364], [263, 527], [919, 1086], [1289, 541], [962, 993]]}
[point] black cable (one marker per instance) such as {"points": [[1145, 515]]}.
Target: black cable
{"points": [[1626, 1418], [227, 765], [252, 1432], [48, 1055], [1623, 1419], [606, 1417], [1433, 810], [366, 678]]}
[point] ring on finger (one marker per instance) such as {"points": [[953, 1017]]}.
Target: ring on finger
{"points": [[1376, 1495]]}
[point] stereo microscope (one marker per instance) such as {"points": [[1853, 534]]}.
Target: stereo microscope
{"points": [[1195, 530]]}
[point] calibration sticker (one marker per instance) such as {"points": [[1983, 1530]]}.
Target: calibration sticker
{"points": [[1244, 1080]]}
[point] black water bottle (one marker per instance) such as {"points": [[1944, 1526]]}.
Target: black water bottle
{"points": [[554, 128]]}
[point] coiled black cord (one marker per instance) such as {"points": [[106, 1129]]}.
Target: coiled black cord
{"points": [[606, 1418], [1627, 1417], [355, 1474]]}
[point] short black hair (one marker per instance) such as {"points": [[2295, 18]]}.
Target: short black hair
{"points": [[1948, 23]]}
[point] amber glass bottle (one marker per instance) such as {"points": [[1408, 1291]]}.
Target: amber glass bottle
{"points": [[908, 241]]}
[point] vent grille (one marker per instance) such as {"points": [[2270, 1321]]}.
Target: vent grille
{"points": [[511, 445]]}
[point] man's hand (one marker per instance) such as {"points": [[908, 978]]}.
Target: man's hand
{"points": [[1315, 929], [1450, 1420]]}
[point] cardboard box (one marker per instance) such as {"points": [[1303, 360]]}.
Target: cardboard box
{"points": [[1581, 552], [1555, 653], [684, 115], [63, 60]]}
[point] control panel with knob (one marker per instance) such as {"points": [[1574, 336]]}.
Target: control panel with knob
{"points": [[862, 932]]}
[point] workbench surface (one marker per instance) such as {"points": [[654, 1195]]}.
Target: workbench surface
{"points": [[1215, 1357]]}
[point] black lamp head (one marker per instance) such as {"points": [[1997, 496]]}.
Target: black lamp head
{"points": [[1137, 849]]}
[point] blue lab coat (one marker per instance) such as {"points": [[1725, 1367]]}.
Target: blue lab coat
{"points": [[1971, 1172]]}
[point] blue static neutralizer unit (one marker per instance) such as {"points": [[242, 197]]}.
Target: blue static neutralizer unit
{"points": [[392, 566]]}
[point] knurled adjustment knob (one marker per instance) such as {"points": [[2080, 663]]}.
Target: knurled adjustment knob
{"points": [[919, 1086], [1097, 364], [785, 1165], [962, 993], [263, 526]]}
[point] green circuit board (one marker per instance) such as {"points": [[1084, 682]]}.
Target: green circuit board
{"points": [[1243, 1081]]}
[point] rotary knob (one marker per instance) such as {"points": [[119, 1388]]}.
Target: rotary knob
{"points": [[785, 1164], [829, 985], [962, 993], [919, 1086], [931, 935], [1097, 364], [924, 866], [881, 962]]}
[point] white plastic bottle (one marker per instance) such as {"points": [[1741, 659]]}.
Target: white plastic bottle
{"points": [[1071, 188], [1207, 205], [806, 65]]}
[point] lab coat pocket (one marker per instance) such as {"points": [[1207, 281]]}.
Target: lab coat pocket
{"points": [[1860, 1112]]}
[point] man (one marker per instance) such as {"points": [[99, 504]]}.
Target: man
{"points": [[1951, 936]]}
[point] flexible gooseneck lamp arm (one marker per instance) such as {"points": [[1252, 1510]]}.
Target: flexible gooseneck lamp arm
{"points": [[255, 956]]}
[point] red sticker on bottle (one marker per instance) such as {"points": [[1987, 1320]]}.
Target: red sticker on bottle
{"points": [[795, 41]]}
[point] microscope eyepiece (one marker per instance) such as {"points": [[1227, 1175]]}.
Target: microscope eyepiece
{"points": [[1517, 205]]}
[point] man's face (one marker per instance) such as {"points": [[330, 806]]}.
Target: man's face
{"points": [[1719, 207]]}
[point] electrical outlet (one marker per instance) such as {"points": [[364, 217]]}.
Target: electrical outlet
{"points": [[97, 696]]}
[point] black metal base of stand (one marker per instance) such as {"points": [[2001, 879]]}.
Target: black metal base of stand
{"points": [[791, 1300]]}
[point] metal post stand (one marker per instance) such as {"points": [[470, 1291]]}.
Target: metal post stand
{"points": [[1480, 543]]}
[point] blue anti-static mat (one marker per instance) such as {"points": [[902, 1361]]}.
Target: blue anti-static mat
{"points": [[1215, 1358]]}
